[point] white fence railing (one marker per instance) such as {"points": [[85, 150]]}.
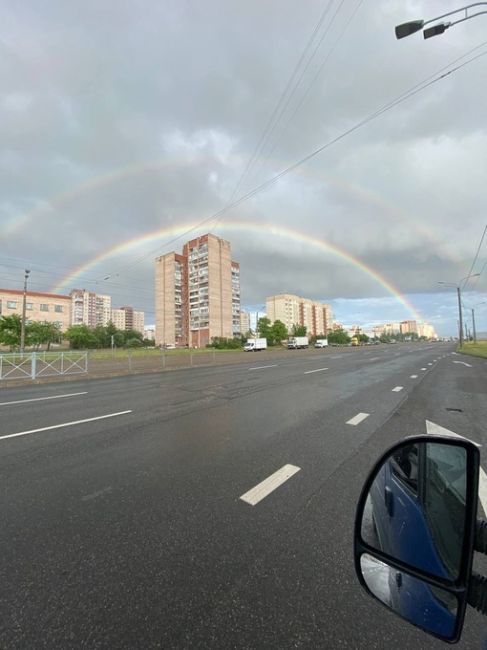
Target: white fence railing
{"points": [[32, 365]]}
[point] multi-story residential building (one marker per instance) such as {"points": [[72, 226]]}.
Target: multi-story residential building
{"points": [[293, 310], [39, 306], [150, 333], [409, 327], [89, 308], [127, 318], [197, 293], [244, 322]]}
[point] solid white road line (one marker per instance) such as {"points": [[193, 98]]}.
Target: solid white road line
{"points": [[262, 367], [357, 419], [39, 399], [308, 372], [397, 389], [433, 429], [463, 363], [414, 376], [267, 486], [64, 424]]}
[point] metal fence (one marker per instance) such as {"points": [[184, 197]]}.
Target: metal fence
{"points": [[32, 365]]}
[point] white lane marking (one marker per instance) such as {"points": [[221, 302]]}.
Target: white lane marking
{"points": [[357, 419], [336, 356], [433, 429], [397, 389], [454, 352], [414, 376], [423, 368], [269, 484], [64, 424], [262, 367], [94, 495], [39, 399], [463, 363], [308, 372], [374, 359], [430, 364]]}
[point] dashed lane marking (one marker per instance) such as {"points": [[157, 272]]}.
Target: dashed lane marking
{"points": [[40, 399], [268, 485], [397, 389], [262, 367], [357, 419], [64, 424], [309, 372]]}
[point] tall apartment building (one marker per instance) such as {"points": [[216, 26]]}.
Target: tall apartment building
{"points": [[49, 307], [197, 293], [244, 322], [293, 310], [127, 318], [89, 308]]}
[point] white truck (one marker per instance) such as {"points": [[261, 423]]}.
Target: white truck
{"points": [[298, 343], [321, 343], [255, 345]]}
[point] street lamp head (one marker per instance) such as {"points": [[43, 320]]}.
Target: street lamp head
{"points": [[406, 29], [435, 30]]}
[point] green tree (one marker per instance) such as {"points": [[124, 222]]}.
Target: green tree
{"points": [[40, 333], [339, 337], [363, 338], [278, 332], [81, 337], [10, 328], [264, 329], [299, 330]]}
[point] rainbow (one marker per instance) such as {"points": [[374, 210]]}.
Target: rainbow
{"points": [[50, 206], [129, 245]]}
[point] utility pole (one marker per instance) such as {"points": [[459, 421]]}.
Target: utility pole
{"points": [[24, 306], [473, 325], [460, 322]]}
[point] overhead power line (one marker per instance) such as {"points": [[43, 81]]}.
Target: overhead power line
{"points": [[475, 259], [414, 90], [288, 91]]}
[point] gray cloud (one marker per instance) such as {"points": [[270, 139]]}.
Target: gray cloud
{"points": [[142, 115]]}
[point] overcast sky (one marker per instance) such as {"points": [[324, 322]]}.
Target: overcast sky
{"points": [[121, 118]]}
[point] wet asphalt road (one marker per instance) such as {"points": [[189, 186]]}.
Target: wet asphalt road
{"points": [[124, 527]]}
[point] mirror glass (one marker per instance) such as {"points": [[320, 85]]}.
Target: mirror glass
{"points": [[415, 510], [434, 610]]}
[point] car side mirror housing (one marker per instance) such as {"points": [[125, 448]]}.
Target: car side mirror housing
{"points": [[415, 530]]}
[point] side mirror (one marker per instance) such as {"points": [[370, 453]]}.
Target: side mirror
{"points": [[415, 528]]}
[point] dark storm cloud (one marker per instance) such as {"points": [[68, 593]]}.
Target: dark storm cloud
{"points": [[179, 93]]}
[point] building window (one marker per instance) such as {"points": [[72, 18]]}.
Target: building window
{"points": [[44, 307], [58, 308], [11, 304], [29, 306]]}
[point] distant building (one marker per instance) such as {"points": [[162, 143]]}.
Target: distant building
{"points": [[127, 318], [197, 293], [150, 333], [244, 322], [89, 308], [294, 310], [409, 327], [41, 307]]}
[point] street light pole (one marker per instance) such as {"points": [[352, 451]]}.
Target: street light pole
{"points": [[473, 325], [460, 327], [459, 296], [24, 306], [412, 26]]}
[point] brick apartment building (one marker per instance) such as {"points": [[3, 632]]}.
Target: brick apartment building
{"points": [[40, 306], [89, 308], [293, 310], [197, 293], [128, 318]]}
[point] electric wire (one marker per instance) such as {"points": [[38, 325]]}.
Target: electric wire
{"points": [[465, 282]]}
